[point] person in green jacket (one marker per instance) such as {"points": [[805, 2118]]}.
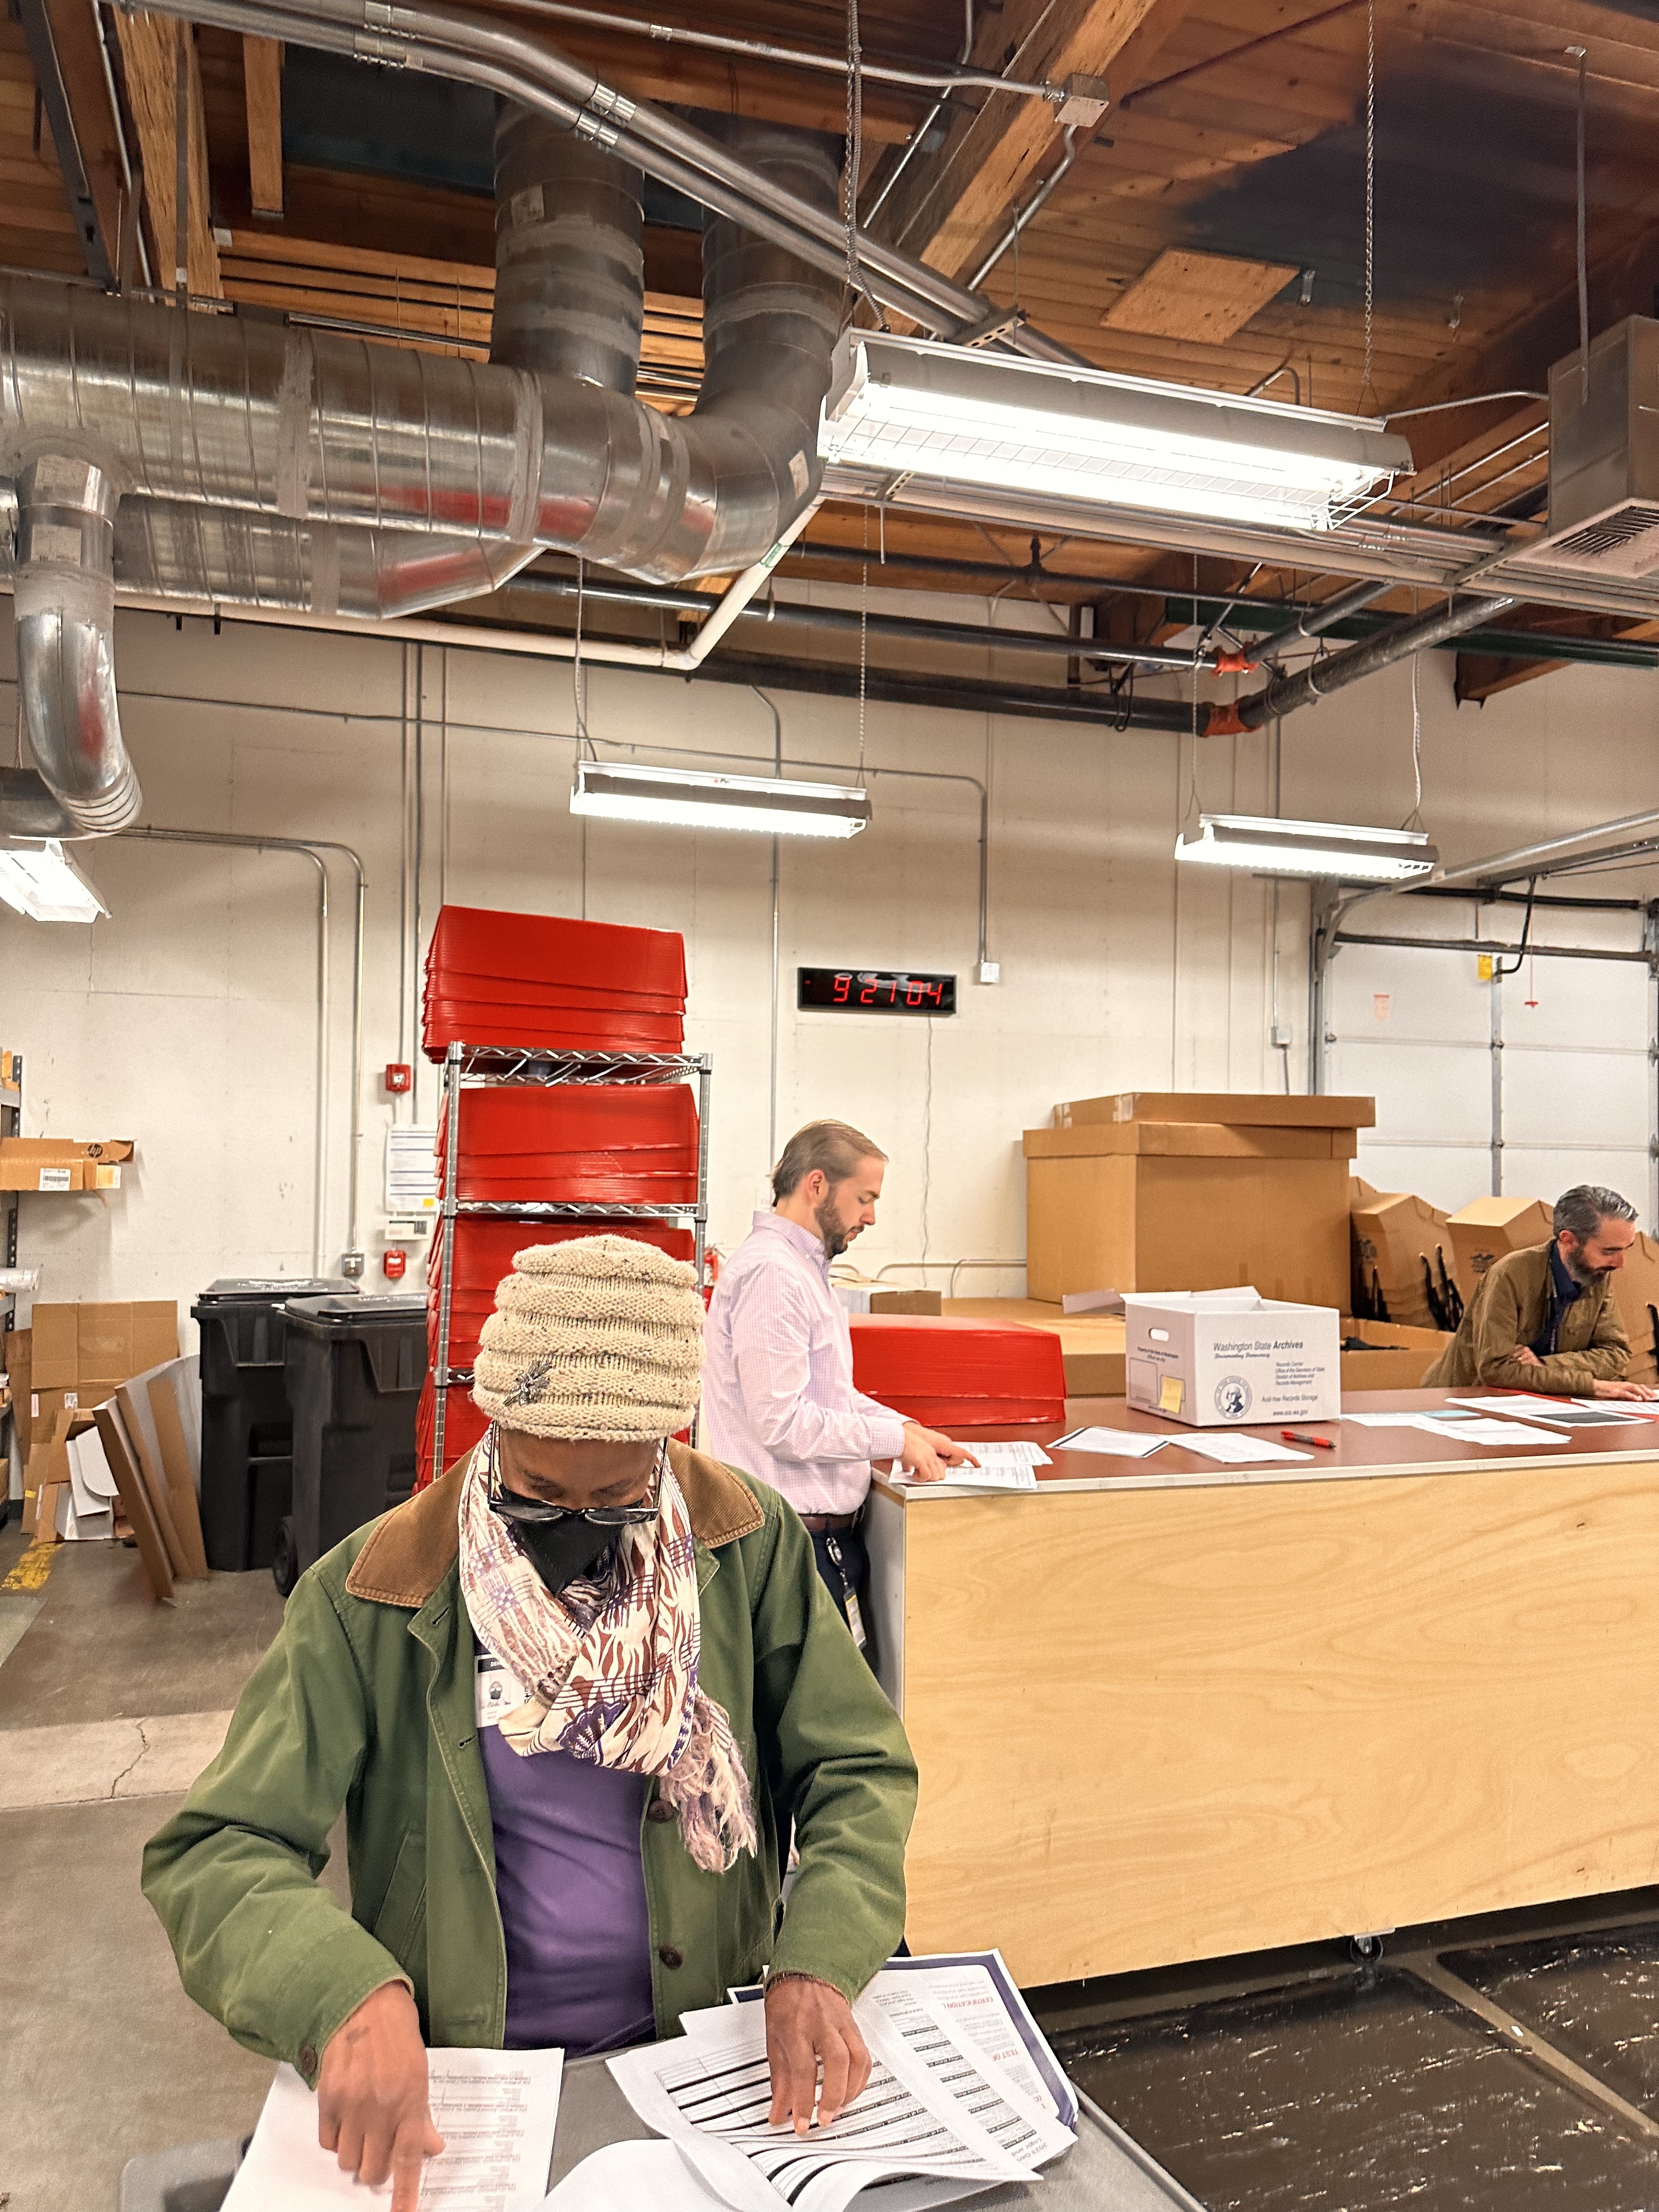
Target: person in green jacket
{"points": [[568, 1698], [1545, 1318]]}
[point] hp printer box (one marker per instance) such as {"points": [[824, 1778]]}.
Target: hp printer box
{"points": [[1220, 1359]]}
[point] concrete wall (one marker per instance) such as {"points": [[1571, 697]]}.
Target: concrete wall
{"points": [[188, 1021]]}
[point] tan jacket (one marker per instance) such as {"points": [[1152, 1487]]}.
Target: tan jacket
{"points": [[1509, 1309]]}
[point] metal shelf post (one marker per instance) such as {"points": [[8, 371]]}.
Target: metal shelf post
{"points": [[494, 1065]]}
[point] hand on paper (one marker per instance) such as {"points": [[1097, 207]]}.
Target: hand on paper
{"points": [[927, 1455], [1622, 1390], [372, 2109], [809, 2023]]}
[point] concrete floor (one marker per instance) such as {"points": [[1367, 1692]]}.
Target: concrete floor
{"points": [[102, 2054]]}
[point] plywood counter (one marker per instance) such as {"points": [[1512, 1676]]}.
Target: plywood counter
{"points": [[1165, 1709]]}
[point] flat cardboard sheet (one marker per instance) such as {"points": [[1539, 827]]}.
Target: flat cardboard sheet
{"points": [[135, 1503]]}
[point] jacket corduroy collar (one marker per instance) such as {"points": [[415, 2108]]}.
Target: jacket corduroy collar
{"points": [[417, 1544]]}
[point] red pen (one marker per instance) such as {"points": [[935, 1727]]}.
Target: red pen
{"points": [[1296, 1436]]}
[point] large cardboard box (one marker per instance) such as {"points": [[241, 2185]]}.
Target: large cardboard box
{"points": [[86, 1343], [1187, 1206], [1486, 1229], [1405, 1264], [61, 1163], [1266, 1109], [1636, 1293], [1230, 1359], [1379, 1355]]}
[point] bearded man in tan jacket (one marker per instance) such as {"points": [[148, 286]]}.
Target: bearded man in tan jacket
{"points": [[1544, 1319]]}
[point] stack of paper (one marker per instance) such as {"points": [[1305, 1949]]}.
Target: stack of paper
{"points": [[496, 2110], [1002, 1466], [1225, 1446], [955, 2099]]}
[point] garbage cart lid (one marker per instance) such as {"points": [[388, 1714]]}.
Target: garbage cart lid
{"points": [[272, 1290], [340, 1314]]}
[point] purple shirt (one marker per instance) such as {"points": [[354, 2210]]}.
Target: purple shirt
{"points": [[571, 1889], [778, 1399]]}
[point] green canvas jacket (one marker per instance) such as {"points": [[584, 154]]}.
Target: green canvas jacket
{"points": [[364, 1704], [1510, 1305]]}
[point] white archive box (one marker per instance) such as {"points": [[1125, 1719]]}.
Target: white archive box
{"points": [[1226, 1358]]}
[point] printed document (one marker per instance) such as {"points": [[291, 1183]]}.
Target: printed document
{"points": [[1231, 1451], [1002, 1466], [1566, 1412], [496, 2110], [1113, 1443], [934, 2108]]}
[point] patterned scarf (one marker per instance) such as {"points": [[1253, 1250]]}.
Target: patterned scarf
{"points": [[611, 1662]]}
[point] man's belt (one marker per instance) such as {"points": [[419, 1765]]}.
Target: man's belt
{"points": [[825, 1524]]}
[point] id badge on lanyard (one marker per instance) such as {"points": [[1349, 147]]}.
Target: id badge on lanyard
{"points": [[849, 1595], [494, 1691]]}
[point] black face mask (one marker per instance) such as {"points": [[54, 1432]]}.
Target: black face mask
{"points": [[562, 1551]]}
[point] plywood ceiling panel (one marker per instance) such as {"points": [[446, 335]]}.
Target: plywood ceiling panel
{"points": [[1202, 298]]}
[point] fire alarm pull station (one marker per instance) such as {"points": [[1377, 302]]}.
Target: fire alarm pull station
{"points": [[399, 1076], [393, 1263]]}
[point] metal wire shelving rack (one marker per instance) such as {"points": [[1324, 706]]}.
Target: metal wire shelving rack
{"points": [[476, 1066]]}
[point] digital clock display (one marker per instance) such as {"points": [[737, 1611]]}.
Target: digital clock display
{"points": [[875, 991]]}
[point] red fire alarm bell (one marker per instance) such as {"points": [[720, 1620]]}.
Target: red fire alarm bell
{"points": [[392, 1263], [399, 1075]]}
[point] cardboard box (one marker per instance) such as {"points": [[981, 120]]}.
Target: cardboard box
{"points": [[1234, 1109], [1396, 1236], [1221, 1210], [1636, 1294], [1091, 1345], [1230, 1359], [1211, 1140], [99, 1345], [60, 1164], [1392, 1358], [862, 1297], [1488, 1228]]}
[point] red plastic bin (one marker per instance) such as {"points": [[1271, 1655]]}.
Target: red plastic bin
{"points": [[959, 1374]]}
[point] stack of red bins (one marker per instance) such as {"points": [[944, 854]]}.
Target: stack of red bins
{"points": [[541, 980], [959, 1374]]}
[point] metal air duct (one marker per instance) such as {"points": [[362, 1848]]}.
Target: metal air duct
{"points": [[65, 611]]}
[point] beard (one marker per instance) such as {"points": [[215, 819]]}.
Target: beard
{"points": [[834, 1231], [1586, 1277]]}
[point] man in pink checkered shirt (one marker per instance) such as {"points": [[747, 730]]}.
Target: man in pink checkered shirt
{"points": [[778, 1397]]}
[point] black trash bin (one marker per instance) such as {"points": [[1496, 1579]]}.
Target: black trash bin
{"points": [[355, 1370], [246, 1427]]}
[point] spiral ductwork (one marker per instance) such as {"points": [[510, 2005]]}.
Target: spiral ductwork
{"points": [[64, 599], [214, 457]]}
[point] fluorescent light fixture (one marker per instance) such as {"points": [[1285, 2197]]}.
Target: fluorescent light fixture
{"points": [[690, 801], [38, 878], [908, 406], [1269, 847]]}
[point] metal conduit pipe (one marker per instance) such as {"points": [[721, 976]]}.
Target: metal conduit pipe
{"points": [[65, 611], [1286, 693]]}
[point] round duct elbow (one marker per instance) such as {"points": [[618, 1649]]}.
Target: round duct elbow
{"points": [[65, 603]]}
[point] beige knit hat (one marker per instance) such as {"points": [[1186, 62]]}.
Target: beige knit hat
{"points": [[600, 1339]]}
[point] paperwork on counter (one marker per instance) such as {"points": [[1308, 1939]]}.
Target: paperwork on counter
{"points": [[1473, 1429], [496, 2110], [1565, 1412], [1002, 1466], [1226, 1447], [954, 2100]]}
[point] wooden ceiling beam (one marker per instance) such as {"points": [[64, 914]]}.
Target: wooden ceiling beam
{"points": [[945, 209], [63, 47], [262, 93], [149, 58]]}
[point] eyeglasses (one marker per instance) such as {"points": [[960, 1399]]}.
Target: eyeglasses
{"points": [[536, 1513]]}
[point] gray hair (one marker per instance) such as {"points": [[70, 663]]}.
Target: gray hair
{"points": [[1582, 1210], [835, 1148]]}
